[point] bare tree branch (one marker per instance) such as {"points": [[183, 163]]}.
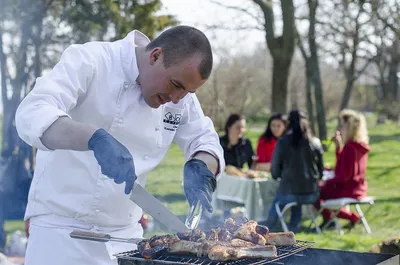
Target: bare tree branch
{"points": [[221, 27], [358, 73], [266, 7], [240, 9], [301, 46], [387, 24]]}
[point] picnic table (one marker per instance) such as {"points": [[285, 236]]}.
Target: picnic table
{"points": [[255, 194]]}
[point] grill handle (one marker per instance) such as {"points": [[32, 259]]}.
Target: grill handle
{"points": [[99, 237]]}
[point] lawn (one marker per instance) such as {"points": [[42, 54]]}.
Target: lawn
{"points": [[383, 179]]}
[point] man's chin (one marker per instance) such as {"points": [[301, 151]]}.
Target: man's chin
{"points": [[152, 103]]}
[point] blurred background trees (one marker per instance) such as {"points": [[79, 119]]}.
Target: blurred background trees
{"points": [[312, 58], [346, 55]]}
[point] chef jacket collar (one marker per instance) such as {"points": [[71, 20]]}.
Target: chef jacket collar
{"points": [[128, 54]]}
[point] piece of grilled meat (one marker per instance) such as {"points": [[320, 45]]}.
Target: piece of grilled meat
{"points": [[281, 239], [262, 230], [143, 245], [185, 247], [248, 232], [163, 240], [212, 234], [148, 248], [194, 235], [224, 253], [219, 250], [225, 235], [230, 225], [239, 220]]}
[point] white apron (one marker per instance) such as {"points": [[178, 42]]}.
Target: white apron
{"points": [[51, 244]]}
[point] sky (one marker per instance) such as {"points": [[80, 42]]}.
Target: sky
{"points": [[204, 13]]}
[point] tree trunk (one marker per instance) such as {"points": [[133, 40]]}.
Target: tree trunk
{"points": [[346, 94], [281, 49], [319, 98], [10, 105], [316, 75], [280, 78], [4, 145], [309, 92], [393, 80]]}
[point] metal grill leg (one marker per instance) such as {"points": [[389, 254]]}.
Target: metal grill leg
{"points": [[363, 219]]}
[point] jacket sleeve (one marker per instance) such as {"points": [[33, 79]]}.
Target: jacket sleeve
{"points": [[276, 163], [196, 133], [345, 166], [54, 94]]}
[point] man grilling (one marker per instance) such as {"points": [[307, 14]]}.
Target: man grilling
{"points": [[103, 118]]}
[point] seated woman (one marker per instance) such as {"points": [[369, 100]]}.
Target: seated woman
{"points": [[237, 149], [351, 164], [297, 162], [266, 144]]}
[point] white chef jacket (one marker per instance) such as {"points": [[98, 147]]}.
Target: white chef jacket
{"points": [[95, 83]]}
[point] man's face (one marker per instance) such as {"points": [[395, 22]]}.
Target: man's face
{"points": [[161, 85]]}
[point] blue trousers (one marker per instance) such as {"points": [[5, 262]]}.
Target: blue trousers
{"points": [[295, 217]]}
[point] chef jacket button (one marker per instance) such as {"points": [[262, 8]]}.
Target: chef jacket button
{"points": [[97, 211], [145, 157], [120, 121], [157, 129], [126, 85]]}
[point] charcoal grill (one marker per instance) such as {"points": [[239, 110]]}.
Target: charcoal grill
{"points": [[134, 257]]}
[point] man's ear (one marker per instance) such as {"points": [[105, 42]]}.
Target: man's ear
{"points": [[156, 56]]}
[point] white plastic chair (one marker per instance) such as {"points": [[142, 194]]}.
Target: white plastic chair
{"points": [[334, 205]]}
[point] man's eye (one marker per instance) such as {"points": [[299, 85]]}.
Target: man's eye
{"points": [[175, 85]]}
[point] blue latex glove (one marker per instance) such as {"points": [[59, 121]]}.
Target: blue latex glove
{"points": [[199, 183], [115, 160]]}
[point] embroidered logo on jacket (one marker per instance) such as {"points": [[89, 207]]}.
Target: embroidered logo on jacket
{"points": [[172, 119]]}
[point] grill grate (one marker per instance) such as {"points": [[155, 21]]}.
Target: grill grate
{"points": [[175, 259]]}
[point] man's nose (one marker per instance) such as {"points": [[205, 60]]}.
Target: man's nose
{"points": [[177, 95]]}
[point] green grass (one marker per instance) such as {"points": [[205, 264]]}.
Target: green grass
{"points": [[383, 180]]}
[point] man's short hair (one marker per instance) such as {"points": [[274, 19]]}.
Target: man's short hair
{"points": [[182, 42]]}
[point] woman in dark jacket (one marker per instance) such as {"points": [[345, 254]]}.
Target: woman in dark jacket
{"points": [[298, 164], [238, 150]]}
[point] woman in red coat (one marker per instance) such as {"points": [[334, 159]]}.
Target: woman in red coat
{"points": [[351, 164], [266, 144]]}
